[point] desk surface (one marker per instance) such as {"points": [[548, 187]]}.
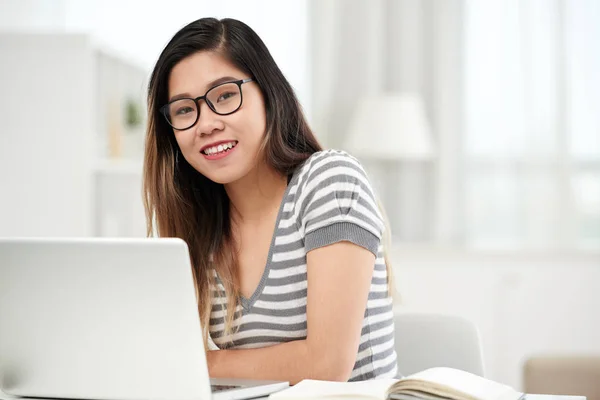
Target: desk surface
{"points": [[528, 397], [552, 397]]}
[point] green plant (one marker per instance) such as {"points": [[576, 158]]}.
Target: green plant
{"points": [[133, 114]]}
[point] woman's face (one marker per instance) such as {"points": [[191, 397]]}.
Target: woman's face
{"points": [[223, 148]]}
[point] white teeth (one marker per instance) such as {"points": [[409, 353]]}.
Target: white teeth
{"points": [[217, 149]]}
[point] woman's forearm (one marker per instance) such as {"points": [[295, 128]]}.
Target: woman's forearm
{"points": [[291, 361]]}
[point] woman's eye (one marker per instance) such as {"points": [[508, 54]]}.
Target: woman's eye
{"points": [[226, 96], [183, 110]]}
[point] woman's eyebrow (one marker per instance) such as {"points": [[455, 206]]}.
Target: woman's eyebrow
{"points": [[220, 80], [208, 86]]}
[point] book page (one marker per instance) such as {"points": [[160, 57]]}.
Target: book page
{"points": [[313, 389], [455, 383], [414, 395]]}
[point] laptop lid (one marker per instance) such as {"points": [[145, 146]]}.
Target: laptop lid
{"points": [[100, 318]]}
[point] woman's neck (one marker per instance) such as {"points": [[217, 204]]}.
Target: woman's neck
{"points": [[257, 194]]}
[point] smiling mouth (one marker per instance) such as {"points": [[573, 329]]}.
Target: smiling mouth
{"points": [[220, 149]]}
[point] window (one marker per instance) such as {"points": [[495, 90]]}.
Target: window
{"points": [[532, 140]]}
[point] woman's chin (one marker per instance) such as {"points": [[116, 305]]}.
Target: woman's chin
{"points": [[224, 177], [229, 173]]}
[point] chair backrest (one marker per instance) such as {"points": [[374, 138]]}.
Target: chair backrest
{"points": [[435, 340]]}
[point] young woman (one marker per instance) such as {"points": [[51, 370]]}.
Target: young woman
{"points": [[285, 238]]}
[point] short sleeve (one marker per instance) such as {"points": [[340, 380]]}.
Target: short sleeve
{"points": [[338, 204]]}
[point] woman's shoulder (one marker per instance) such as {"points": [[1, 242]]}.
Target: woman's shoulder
{"points": [[331, 167], [332, 154], [325, 160]]}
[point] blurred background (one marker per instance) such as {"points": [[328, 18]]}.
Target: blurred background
{"points": [[477, 121]]}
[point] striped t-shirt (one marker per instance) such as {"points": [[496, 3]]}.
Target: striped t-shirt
{"points": [[328, 200]]}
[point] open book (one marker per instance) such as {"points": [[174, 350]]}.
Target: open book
{"points": [[433, 383]]}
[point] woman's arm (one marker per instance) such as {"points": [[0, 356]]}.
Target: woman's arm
{"points": [[339, 279]]}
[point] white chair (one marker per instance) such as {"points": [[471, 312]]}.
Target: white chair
{"points": [[435, 340]]}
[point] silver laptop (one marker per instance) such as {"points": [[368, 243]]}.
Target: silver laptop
{"points": [[112, 319]]}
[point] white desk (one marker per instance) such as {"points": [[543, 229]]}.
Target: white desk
{"points": [[528, 397]]}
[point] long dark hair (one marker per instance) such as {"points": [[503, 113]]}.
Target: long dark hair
{"points": [[179, 201]]}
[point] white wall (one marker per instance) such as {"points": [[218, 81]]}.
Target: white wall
{"points": [[523, 303], [31, 14]]}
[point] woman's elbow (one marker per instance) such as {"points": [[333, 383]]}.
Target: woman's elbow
{"points": [[333, 368]]}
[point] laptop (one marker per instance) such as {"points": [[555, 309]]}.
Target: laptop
{"points": [[105, 319]]}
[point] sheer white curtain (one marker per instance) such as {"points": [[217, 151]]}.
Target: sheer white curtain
{"points": [[510, 87], [361, 47], [532, 132]]}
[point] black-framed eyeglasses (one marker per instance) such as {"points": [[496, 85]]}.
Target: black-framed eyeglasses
{"points": [[223, 99]]}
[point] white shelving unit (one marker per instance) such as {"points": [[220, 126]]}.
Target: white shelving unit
{"points": [[70, 165]]}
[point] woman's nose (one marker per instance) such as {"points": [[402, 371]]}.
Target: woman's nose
{"points": [[208, 120]]}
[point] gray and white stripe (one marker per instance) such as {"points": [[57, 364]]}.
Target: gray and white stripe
{"points": [[329, 199]]}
